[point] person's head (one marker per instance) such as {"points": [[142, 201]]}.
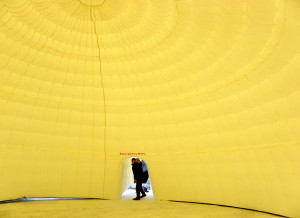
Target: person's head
{"points": [[133, 160], [138, 160]]}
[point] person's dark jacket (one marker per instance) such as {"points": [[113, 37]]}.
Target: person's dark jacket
{"points": [[145, 172], [145, 176], [137, 170]]}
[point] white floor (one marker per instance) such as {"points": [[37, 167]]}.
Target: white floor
{"points": [[131, 193]]}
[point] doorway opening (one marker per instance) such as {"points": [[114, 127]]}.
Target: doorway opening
{"points": [[128, 189]]}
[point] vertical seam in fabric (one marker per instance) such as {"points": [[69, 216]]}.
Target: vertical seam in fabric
{"points": [[104, 100]]}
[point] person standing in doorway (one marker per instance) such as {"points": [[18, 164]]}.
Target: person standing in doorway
{"points": [[137, 170], [145, 174]]}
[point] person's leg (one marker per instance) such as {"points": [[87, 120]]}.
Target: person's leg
{"points": [[141, 189], [138, 189]]}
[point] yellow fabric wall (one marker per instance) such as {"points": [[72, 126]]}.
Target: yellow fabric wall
{"points": [[209, 90]]}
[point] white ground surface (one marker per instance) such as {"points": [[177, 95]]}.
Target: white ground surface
{"points": [[131, 193], [120, 208]]}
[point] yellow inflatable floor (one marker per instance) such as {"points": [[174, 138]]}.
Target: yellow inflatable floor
{"points": [[206, 92], [121, 208]]}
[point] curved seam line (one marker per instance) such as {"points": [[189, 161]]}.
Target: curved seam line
{"points": [[104, 100], [222, 205]]}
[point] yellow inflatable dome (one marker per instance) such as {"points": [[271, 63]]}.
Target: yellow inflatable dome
{"points": [[206, 92]]}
